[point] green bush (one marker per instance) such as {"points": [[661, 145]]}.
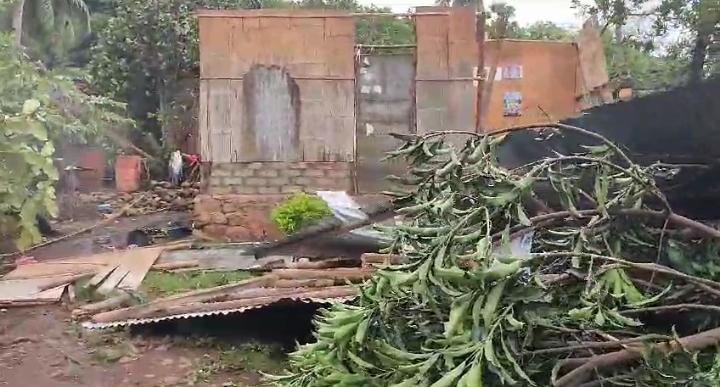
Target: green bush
{"points": [[299, 211]]}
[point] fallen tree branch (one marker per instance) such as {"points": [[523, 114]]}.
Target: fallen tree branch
{"points": [[637, 265], [596, 345], [672, 308], [689, 343]]}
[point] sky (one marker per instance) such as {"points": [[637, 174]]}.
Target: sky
{"points": [[527, 11]]}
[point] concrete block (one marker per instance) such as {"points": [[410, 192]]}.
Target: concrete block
{"points": [[323, 182], [243, 171], [278, 181], [291, 189], [303, 181], [217, 171], [256, 181], [337, 174], [291, 172], [216, 181], [233, 181], [314, 173], [279, 165], [244, 189], [267, 173]]}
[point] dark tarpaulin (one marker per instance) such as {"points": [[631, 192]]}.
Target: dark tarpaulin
{"points": [[679, 126]]}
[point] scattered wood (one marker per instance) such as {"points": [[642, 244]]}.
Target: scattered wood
{"points": [[324, 293], [161, 196], [171, 266], [369, 259], [194, 297], [306, 283], [118, 301], [350, 274], [101, 276], [59, 281]]}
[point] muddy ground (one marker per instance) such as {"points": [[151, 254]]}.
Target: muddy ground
{"points": [[41, 346]]}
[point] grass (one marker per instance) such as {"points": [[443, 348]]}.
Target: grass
{"points": [[108, 348], [162, 284], [251, 357]]}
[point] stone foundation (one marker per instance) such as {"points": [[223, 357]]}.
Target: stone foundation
{"points": [[277, 177], [237, 218]]}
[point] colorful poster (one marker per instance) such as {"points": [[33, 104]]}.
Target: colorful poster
{"points": [[512, 104], [512, 72]]}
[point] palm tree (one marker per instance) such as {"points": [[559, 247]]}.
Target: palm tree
{"points": [[49, 29]]}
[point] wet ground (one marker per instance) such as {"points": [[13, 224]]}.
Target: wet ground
{"points": [[41, 346]]}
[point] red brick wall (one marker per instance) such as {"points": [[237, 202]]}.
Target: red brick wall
{"points": [[269, 177], [236, 218]]}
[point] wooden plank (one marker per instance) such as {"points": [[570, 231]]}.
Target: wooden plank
{"points": [[350, 274], [101, 275], [138, 264], [113, 280], [30, 290], [89, 264], [203, 122], [192, 297]]}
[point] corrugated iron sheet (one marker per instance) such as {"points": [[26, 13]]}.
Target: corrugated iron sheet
{"points": [[224, 312]]}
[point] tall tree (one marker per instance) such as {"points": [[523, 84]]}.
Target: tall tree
{"points": [[696, 21], [49, 29], [501, 23], [545, 30]]}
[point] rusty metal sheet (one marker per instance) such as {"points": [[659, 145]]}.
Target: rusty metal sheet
{"points": [[385, 104], [547, 84]]}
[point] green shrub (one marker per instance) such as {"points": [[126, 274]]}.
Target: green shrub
{"points": [[299, 211]]}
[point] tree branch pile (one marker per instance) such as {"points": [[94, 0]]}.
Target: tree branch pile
{"points": [[617, 289]]}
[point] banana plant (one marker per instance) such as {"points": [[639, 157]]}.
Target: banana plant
{"points": [[49, 29]]}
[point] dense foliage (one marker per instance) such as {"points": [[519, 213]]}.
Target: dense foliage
{"points": [[612, 292], [39, 110], [299, 211], [49, 30], [689, 29]]}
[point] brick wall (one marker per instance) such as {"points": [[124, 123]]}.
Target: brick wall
{"points": [[251, 178], [236, 218]]}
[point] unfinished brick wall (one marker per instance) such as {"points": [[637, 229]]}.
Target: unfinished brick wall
{"points": [[236, 218], [266, 177]]}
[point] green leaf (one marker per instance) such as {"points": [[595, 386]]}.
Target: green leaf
{"points": [[524, 220], [30, 106], [449, 378]]}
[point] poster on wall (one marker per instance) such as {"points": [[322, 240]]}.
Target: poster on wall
{"points": [[512, 104], [512, 72]]}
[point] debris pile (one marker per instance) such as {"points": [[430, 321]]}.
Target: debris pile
{"points": [[305, 282], [36, 283], [616, 289], [160, 196]]}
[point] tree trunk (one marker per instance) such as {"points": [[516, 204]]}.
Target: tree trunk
{"points": [[17, 21], [699, 54]]}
